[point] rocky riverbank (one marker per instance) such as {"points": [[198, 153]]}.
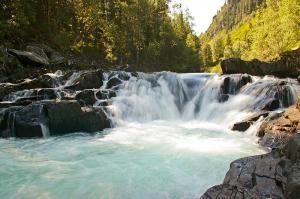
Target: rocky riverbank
{"points": [[58, 103], [273, 175]]}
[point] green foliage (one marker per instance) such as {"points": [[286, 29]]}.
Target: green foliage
{"points": [[137, 32], [262, 31]]}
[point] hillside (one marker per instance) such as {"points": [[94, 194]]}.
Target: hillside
{"points": [[252, 29]]}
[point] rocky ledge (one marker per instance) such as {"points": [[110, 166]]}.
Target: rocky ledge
{"points": [[272, 175], [287, 66], [58, 104]]}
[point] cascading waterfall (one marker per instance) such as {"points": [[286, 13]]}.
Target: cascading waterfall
{"points": [[171, 137], [169, 96]]}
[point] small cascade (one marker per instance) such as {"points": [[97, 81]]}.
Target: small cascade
{"points": [[45, 130]]}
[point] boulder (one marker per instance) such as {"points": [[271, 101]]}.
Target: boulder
{"points": [[255, 177], [246, 123], [105, 94], [68, 117], [88, 80], [271, 105], [51, 118], [30, 58], [86, 98], [53, 56], [232, 85], [113, 82]]}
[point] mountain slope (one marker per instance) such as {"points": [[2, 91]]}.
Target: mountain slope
{"points": [[252, 29]]}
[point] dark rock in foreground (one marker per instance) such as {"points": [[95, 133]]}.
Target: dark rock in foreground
{"points": [[246, 123], [273, 175], [287, 66], [46, 118]]}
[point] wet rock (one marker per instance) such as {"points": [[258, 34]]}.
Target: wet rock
{"points": [[88, 80], [223, 97], [105, 94], [46, 94], [51, 118], [44, 81], [232, 85], [272, 105], [23, 122], [246, 123], [68, 117], [113, 82], [86, 98], [298, 79]]}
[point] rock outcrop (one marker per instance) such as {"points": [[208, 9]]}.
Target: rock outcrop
{"points": [[273, 175], [287, 66], [38, 55], [46, 118], [275, 131]]}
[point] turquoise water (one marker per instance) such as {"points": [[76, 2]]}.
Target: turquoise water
{"points": [[158, 159]]}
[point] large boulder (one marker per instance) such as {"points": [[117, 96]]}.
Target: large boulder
{"points": [[287, 66], [53, 56], [51, 118], [68, 117], [86, 98], [30, 58], [272, 175]]}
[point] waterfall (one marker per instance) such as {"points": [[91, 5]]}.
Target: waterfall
{"points": [[211, 98]]}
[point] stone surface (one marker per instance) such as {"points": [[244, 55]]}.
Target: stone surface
{"points": [[246, 123], [287, 66], [275, 132], [273, 175], [51, 118], [86, 98], [113, 82], [88, 80], [30, 58]]}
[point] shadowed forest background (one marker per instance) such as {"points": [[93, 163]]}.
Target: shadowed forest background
{"points": [[146, 35]]}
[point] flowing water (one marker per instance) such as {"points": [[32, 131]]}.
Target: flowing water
{"points": [[171, 139]]}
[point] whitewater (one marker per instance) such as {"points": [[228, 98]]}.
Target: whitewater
{"points": [[171, 138]]}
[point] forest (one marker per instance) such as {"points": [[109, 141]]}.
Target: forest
{"points": [[147, 35], [142, 33]]}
